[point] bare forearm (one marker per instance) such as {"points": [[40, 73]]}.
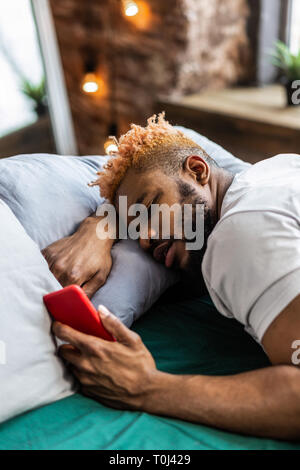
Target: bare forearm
{"points": [[90, 226], [122, 374], [264, 402]]}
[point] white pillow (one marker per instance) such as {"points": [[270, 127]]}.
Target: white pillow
{"points": [[31, 374]]}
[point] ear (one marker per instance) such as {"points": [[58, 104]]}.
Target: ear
{"points": [[198, 169]]}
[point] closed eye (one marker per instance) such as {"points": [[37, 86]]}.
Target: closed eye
{"points": [[155, 200]]}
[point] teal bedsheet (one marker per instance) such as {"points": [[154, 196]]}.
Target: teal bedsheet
{"points": [[184, 336]]}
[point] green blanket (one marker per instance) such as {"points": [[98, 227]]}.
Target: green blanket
{"points": [[184, 336]]}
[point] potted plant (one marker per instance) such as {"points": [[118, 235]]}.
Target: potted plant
{"points": [[289, 66], [37, 93]]}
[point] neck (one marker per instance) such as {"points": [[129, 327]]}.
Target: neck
{"points": [[222, 180]]}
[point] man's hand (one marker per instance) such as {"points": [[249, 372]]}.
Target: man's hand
{"points": [[123, 375], [82, 258], [119, 374]]}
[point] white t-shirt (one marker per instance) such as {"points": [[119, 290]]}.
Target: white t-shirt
{"points": [[252, 263]]}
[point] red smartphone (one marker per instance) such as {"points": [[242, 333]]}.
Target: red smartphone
{"points": [[72, 307]]}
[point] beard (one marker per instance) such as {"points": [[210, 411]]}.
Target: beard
{"points": [[193, 266], [193, 262]]}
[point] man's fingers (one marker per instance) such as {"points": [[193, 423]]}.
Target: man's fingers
{"points": [[116, 327], [60, 275], [84, 378], [68, 350], [76, 358], [79, 340], [45, 254], [93, 284], [64, 277], [69, 347]]}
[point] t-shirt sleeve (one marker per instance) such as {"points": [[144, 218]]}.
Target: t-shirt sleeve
{"points": [[252, 267]]}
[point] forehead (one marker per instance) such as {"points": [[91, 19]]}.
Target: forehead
{"points": [[137, 186], [142, 187]]}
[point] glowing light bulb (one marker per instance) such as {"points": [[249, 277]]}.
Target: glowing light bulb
{"points": [[90, 87], [111, 146], [92, 84], [131, 8]]}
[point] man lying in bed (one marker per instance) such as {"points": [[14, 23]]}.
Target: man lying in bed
{"points": [[251, 268]]}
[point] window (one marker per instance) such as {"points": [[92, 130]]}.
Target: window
{"points": [[295, 26], [34, 108], [20, 59]]}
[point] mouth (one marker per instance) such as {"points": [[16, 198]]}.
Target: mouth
{"points": [[165, 253]]}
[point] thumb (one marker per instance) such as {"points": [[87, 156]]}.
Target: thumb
{"points": [[115, 326]]}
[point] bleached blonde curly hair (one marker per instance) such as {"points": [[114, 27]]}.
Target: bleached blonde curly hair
{"points": [[158, 145]]}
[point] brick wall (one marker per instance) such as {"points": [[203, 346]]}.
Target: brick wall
{"points": [[171, 47]]}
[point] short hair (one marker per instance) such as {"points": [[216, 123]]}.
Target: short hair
{"points": [[158, 145]]}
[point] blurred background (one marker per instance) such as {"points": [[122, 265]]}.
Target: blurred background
{"points": [[73, 72]]}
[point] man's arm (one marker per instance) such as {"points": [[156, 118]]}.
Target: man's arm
{"points": [[123, 374], [282, 333], [263, 402], [81, 258]]}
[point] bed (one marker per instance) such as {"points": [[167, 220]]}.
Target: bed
{"points": [[185, 335]]}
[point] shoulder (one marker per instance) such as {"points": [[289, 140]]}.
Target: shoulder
{"points": [[233, 239], [244, 257], [250, 236]]}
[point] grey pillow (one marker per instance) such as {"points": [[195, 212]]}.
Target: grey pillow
{"points": [[223, 158]]}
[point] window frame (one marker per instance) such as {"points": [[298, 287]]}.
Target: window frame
{"points": [[292, 7], [59, 108]]}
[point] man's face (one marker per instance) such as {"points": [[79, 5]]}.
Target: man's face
{"points": [[154, 187]]}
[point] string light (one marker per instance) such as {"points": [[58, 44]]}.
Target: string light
{"points": [[138, 13], [90, 87], [130, 8], [92, 84], [111, 146]]}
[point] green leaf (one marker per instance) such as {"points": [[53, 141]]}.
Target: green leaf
{"points": [[285, 61], [36, 92]]}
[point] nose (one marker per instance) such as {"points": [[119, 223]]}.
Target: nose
{"points": [[146, 239]]}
